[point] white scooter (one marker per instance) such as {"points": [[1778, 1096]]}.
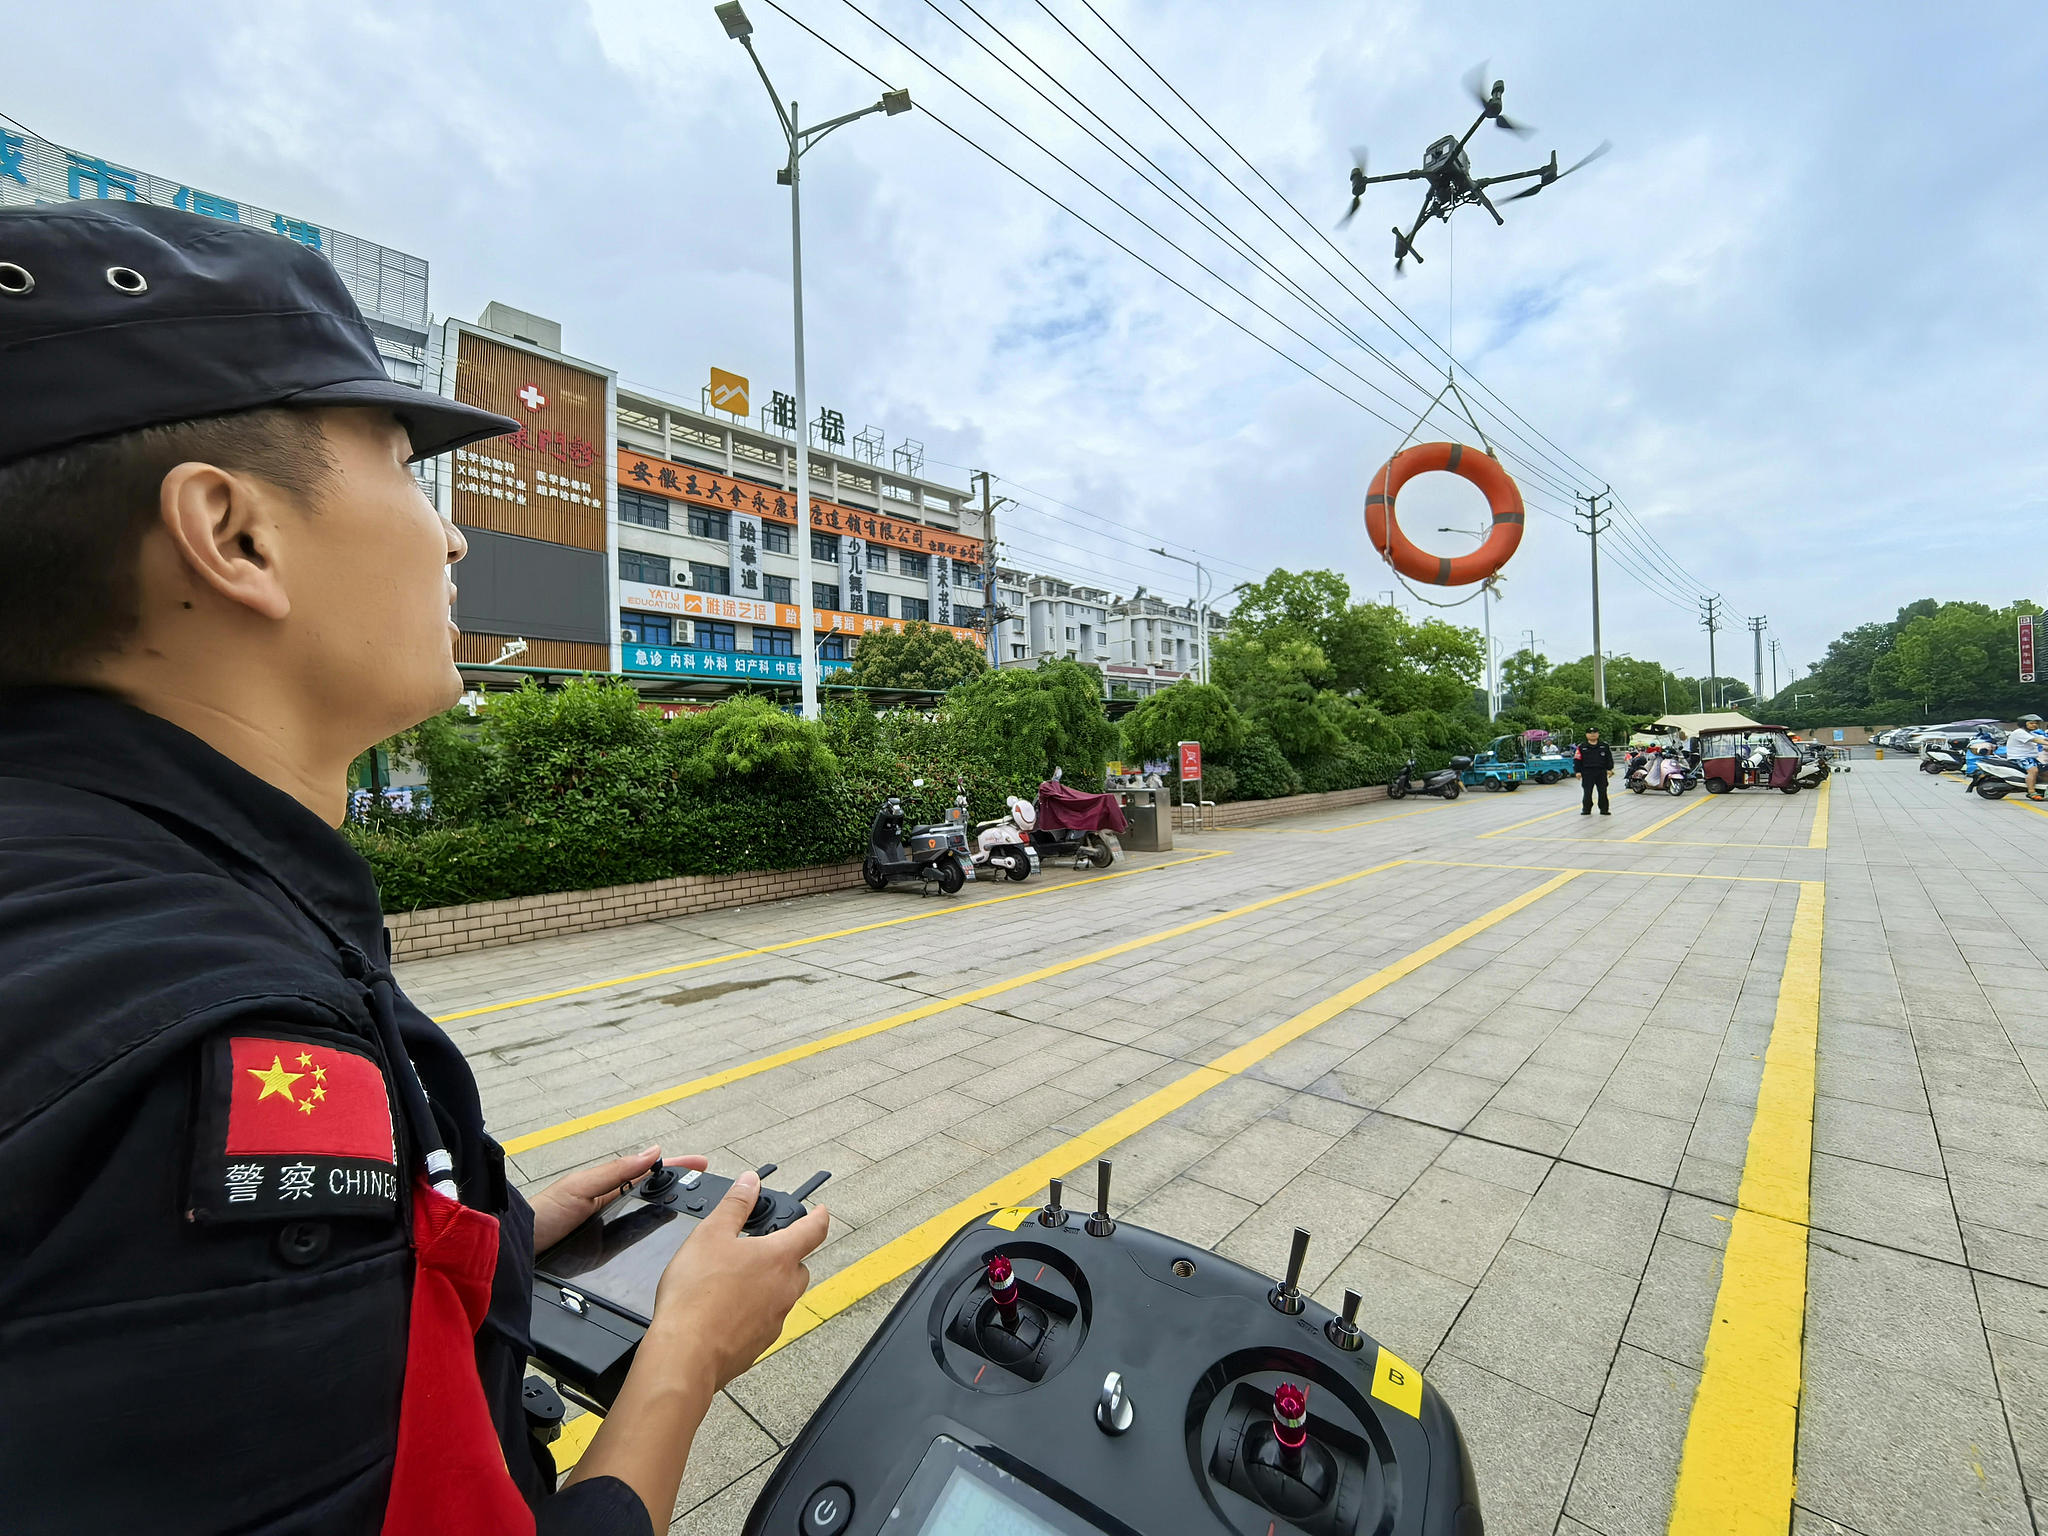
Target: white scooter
{"points": [[1004, 844]]}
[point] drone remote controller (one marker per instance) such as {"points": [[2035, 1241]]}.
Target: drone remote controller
{"points": [[593, 1292], [1065, 1374]]}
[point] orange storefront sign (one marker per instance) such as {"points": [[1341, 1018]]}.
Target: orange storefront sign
{"points": [[638, 597], [709, 489]]}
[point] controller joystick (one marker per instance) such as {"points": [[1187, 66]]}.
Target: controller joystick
{"points": [[1291, 1475], [1344, 1331], [1099, 1225], [1008, 1329], [1286, 1296], [1002, 1289], [659, 1182], [1054, 1214], [764, 1203]]}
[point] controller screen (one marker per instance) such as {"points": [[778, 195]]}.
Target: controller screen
{"points": [[962, 1494], [969, 1507], [621, 1258]]}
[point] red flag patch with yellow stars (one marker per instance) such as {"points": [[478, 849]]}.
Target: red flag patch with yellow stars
{"points": [[292, 1126]]}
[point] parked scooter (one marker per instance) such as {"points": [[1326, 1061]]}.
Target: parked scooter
{"points": [[1941, 757], [1075, 826], [927, 854], [1996, 776], [1444, 781], [1656, 770], [1005, 845]]}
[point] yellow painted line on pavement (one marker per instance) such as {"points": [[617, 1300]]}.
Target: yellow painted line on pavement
{"points": [[1518, 825], [2023, 804], [864, 1276], [816, 938], [617, 1112], [1818, 837], [1587, 869], [1637, 837], [1736, 1476]]}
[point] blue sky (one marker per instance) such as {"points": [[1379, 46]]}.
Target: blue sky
{"points": [[1793, 318]]}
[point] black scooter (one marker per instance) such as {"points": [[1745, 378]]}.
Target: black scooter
{"points": [[929, 853], [1444, 782]]}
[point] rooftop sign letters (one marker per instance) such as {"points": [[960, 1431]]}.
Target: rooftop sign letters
{"points": [[709, 489]]}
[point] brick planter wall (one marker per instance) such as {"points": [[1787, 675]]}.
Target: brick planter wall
{"points": [[1250, 813], [487, 924]]}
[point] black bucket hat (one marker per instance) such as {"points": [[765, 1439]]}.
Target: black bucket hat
{"points": [[117, 316]]}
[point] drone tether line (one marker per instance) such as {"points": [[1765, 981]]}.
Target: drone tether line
{"points": [[1491, 583]]}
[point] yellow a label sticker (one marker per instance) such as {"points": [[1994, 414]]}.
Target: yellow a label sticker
{"points": [[1010, 1217], [1397, 1383]]}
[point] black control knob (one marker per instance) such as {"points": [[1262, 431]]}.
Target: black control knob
{"points": [[764, 1204], [1054, 1214], [659, 1182], [1291, 1474], [1099, 1225], [1286, 1296]]}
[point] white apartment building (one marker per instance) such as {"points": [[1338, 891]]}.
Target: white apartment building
{"points": [[1141, 643]]}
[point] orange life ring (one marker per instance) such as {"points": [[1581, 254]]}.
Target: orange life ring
{"points": [[1503, 496]]}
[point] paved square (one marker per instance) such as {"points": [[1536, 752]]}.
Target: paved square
{"points": [[1526, 1142]]}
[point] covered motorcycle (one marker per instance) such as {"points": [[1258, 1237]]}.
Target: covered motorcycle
{"points": [[1071, 823]]}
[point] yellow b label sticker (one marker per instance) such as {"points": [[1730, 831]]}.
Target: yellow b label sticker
{"points": [[1010, 1217], [1397, 1384]]}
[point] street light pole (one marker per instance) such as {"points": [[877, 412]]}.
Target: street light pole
{"points": [[1201, 609], [740, 30], [1593, 529]]}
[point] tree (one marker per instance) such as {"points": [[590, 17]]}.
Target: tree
{"points": [[1185, 712], [917, 656], [1282, 684], [1026, 722]]}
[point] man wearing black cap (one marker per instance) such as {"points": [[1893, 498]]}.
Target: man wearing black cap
{"points": [[261, 1268], [1595, 762]]}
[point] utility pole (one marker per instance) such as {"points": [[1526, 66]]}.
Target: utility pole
{"points": [[1593, 529], [1774, 666], [1710, 620], [989, 502], [1756, 632]]}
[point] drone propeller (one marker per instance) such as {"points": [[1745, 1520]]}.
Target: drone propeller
{"points": [[1475, 82], [1584, 160], [1357, 184]]}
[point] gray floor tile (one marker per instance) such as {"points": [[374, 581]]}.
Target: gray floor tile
{"points": [[1885, 1205], [1524, 1445], [1597, 1217], [1450, 1224], [1625, 1478], [1545, 1321]]}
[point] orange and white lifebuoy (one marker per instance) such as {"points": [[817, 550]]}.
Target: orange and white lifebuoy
{"points": [[1503, 496]]}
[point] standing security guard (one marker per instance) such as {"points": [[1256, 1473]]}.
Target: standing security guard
{"points": [[261, 1268], [1596, 761]]}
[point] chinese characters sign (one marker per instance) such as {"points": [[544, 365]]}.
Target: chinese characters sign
{"points": [[546, 480], [709, 489], [743, 534], [1190, 761], [853, 574], [2026, 647], [641, 597], [942, 590], [389, 285], [735, 665]]}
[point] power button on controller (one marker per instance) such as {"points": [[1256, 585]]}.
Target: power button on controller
{"points": [[827, 1511]]}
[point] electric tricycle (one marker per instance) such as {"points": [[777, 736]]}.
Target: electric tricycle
{"points": [[1749, 757], [1498, 769]]}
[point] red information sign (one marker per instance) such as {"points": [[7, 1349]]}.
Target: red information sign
{"points": [[2026, 647], [1190, 761]]}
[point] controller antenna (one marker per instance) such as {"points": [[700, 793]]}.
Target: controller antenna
{"points": [[1054, 1214], [1286, 1296], [1290, 1424], [1002, 1288], [1099, 1225]]}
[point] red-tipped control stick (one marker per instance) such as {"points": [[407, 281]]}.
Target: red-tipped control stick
{"points": [[1290, 1421], [1002, 1286]]}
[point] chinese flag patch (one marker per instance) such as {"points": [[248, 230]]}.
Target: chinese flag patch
{"points": [[294, 1127], [297, 1096]]}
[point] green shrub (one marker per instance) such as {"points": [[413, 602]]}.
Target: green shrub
{"points": [[1185, 712], [1263, 773]]}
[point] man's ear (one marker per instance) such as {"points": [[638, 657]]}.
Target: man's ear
{"points": [[223, 527]]}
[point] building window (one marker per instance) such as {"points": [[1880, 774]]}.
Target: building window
{"points": [[706, 523], [832, 648], [916, 608], [776, 589], [878, 558], [774, 642], [825, 546], [645, 510], [825, 594], [914, 565], [1016, 653], [878, 604], [1070, 628], [637, 565], [775, 538], [965, 573], [710, 578], [716, 637], [645, 628]]}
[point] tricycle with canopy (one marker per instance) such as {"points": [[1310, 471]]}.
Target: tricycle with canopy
{"points": [[1749, 757]]}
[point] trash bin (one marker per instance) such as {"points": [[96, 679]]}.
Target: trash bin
{"points": [[1150, 819]]}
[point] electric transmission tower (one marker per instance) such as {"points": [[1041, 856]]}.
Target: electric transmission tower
{"points": [[1710, 620]]}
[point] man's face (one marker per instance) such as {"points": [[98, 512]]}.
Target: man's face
{"points": [[1593, 738], [372, 594]]}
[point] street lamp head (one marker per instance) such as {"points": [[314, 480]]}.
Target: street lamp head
{"points": [[893, 102], [734, 20]]}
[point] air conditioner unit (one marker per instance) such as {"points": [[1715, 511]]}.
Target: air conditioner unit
{"points": [[626, 637]]}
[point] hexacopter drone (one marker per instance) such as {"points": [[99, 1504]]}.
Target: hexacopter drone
{"points": [[1448, 170]]}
